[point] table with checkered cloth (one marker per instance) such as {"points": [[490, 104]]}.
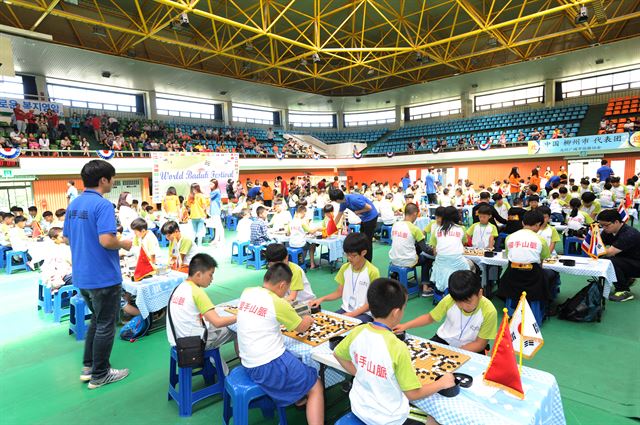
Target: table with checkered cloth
{"points": [[298, 348], [333, 244], [601, 268], [542, 403], [422, 222], [152, 294]]}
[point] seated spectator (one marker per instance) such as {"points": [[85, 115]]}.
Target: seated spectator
{"points": [[56, 268]]}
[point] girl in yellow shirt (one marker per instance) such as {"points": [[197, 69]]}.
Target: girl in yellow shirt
{"points": [[171, 203], [198, 205]]}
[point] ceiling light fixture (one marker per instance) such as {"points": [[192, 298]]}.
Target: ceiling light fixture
{"points": [[99, 31], [315, 57], [583, 16], [303, 62]]}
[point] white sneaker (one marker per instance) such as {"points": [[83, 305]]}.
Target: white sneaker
{"points": [[114, 375]]}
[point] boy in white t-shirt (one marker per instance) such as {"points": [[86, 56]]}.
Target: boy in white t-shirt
{"points": [[280, 374], [191, 310], [406, 241], [243, 229], [281, 218], [385, 208], [298, 230], [181, 249], [470, 319], [145, 239], [483, 234], [353, 278], [385, 380], [606, 197], [300, 289], [555, 206], [547, 231]]}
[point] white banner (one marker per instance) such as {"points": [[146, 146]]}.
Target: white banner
{"points": [[7, 104], [181, 169]]}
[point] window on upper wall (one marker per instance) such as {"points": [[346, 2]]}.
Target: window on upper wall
{"points": [[508, 98], [605, 83], [355, 119], [436, 109], [310, 119], [181, 106], [11, 87], [251, 114], [84, 96]]}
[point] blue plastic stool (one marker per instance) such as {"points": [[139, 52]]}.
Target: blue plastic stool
{"points": [[239, 252], [231, 222], [62, 301], [354, 228], [318, 214], [438, 296], [385, 234], [255, 260], [45, 299], [294, 256], [404, 277], [500, 241], [180, 380], [349, 419], [573, 246], [78, 313], [3, 249], [537, 307], [8, 257], [242, 394]]}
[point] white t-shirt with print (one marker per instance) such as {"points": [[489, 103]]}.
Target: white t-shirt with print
{"points": [[260, 314], [449, 243], [356, 284], [404, 236], [481, 234], [526, 247], [187, 305], [244, 230], [281, 220], [459, 327], [298, 233]]}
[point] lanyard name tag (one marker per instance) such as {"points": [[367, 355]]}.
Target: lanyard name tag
{"points": [[352, 302]]}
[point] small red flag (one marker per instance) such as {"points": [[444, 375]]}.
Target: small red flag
{"points": [[144, 268], [331, 226], [502, 371], [36, 230]]}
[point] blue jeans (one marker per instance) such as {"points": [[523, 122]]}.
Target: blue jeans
{"points": [[198, 229], [104, 304], [364, 318]]}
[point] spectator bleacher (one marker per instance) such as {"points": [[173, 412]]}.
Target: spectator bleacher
{"points": [[491, 126], [351, 136], [620, 106]]}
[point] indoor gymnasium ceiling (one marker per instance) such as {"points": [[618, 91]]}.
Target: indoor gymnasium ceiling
{"points": [[362, 46]]}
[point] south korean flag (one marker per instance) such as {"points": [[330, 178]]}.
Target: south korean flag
{"points": [[530, 333]]}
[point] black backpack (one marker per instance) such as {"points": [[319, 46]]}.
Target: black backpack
{"points": [[585, 306]]}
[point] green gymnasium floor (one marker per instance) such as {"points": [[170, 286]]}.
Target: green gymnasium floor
{"points": [[596, 364]]}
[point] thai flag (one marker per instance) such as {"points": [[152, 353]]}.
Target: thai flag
{"points": [[622, 210], [105, 154], [592, 244]]}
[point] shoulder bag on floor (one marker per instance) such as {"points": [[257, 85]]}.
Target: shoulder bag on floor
{"points": [[190, 349]]}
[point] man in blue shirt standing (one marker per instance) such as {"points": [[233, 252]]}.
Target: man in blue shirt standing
{"points": [[406, 182], [430, 187], [363, 208], [604, 172], [90, 228]]}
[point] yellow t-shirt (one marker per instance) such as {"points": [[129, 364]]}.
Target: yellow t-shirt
{"points": [[171, 204], [198, 207]]}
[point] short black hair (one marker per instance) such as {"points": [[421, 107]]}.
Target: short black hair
{"points": [[411, 209], [95, 170], [60, 212], [328, 208], [32, 208], [336, 194], [463, 284], [301, 208], [610, 215], [19, 219], [496, 197], [533, 217], [355, 243], [54, 232], [15, 209], [440, 211], [484, 209], [47, 214], [544, 210], [277, 273], [485, 195], [588, 197], [275, 253], [139, 224], [534, 198], [170, 227], [260, 210], [384, 295], [201, 263]]}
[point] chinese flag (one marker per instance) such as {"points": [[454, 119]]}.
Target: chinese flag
{"points": [[144, 268], [36, 230], [331, 226], [627, 201], [502, 371]]}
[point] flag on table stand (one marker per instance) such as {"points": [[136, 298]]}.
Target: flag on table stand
{"points": [[331, 226], [526, 337], [622, 210], [592, 244], [144, 268], [502, 371], [36, 230]]}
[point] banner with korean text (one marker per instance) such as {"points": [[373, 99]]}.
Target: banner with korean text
{"points": [[584, 144], [181, 169], [7, 104]]}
